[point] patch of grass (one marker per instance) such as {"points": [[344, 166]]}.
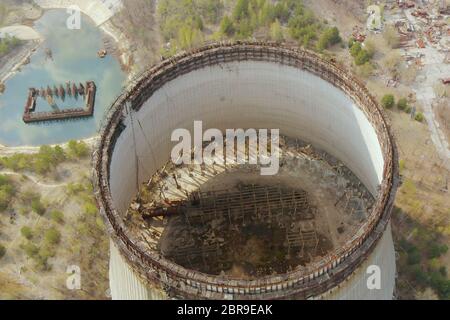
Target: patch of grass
{"points": [[8, 44], [420, 251], [42, 163], [38, 207], [57, 216], [402, 165], [7, 191], [2, 251], [31, 250], [26, 232], [78, 149], [402, 104], [52, 236]]}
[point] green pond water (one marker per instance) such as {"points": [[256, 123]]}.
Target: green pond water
{"points": [[74, 59]]}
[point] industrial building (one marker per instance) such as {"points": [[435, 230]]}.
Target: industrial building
{"points": [[310, 232]]}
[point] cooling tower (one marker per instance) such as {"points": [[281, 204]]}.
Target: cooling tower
{"points": [[253, 85]]}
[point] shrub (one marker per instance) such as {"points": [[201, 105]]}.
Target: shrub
{"points": [[276, 33], [41, 263], [391, 36], [365, 70], [52, 236], [27, 232], [408, 110], [75, 188], [388, 101], [4, 200], [355, 49], [90, 209], [302, 24], [414, 256], [198, 23], [57, 216], [370, 47], [226, 26], [240, 11], [402, 165], [419, 275], [28, 196], [31, 250], [8, 43], [362, 57], [42, 162], [2, 251], [211, 9], [78, 149], [350, 43], [402, 104], [436, 250], [328, 38], [7, 191], [38, 207], [46, 252], [440, 284], [419, 117], [409, 188]]}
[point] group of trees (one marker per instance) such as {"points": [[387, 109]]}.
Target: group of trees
{"points": [[40, 245], [77, 149], [328, 38], [46, 159], [31, 199], [361, 55], [422, 263], [249, 15], [182, 22], [7, 191], [7, 44], [388, 102], [41, 163]]}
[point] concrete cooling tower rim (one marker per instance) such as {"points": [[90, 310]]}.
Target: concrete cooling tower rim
{"points": [[317, 277]]}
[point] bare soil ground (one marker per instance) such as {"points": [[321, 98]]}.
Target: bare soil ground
{"points": [[343, 13], [137, 21], [421, 198], [13, 12], [443, 116]]}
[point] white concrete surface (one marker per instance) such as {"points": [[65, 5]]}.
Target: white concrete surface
{"points": [[98, 10], [355, 287], [374, 21], [251, 95], [124, 284], [248, 95], [20, 32]]}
